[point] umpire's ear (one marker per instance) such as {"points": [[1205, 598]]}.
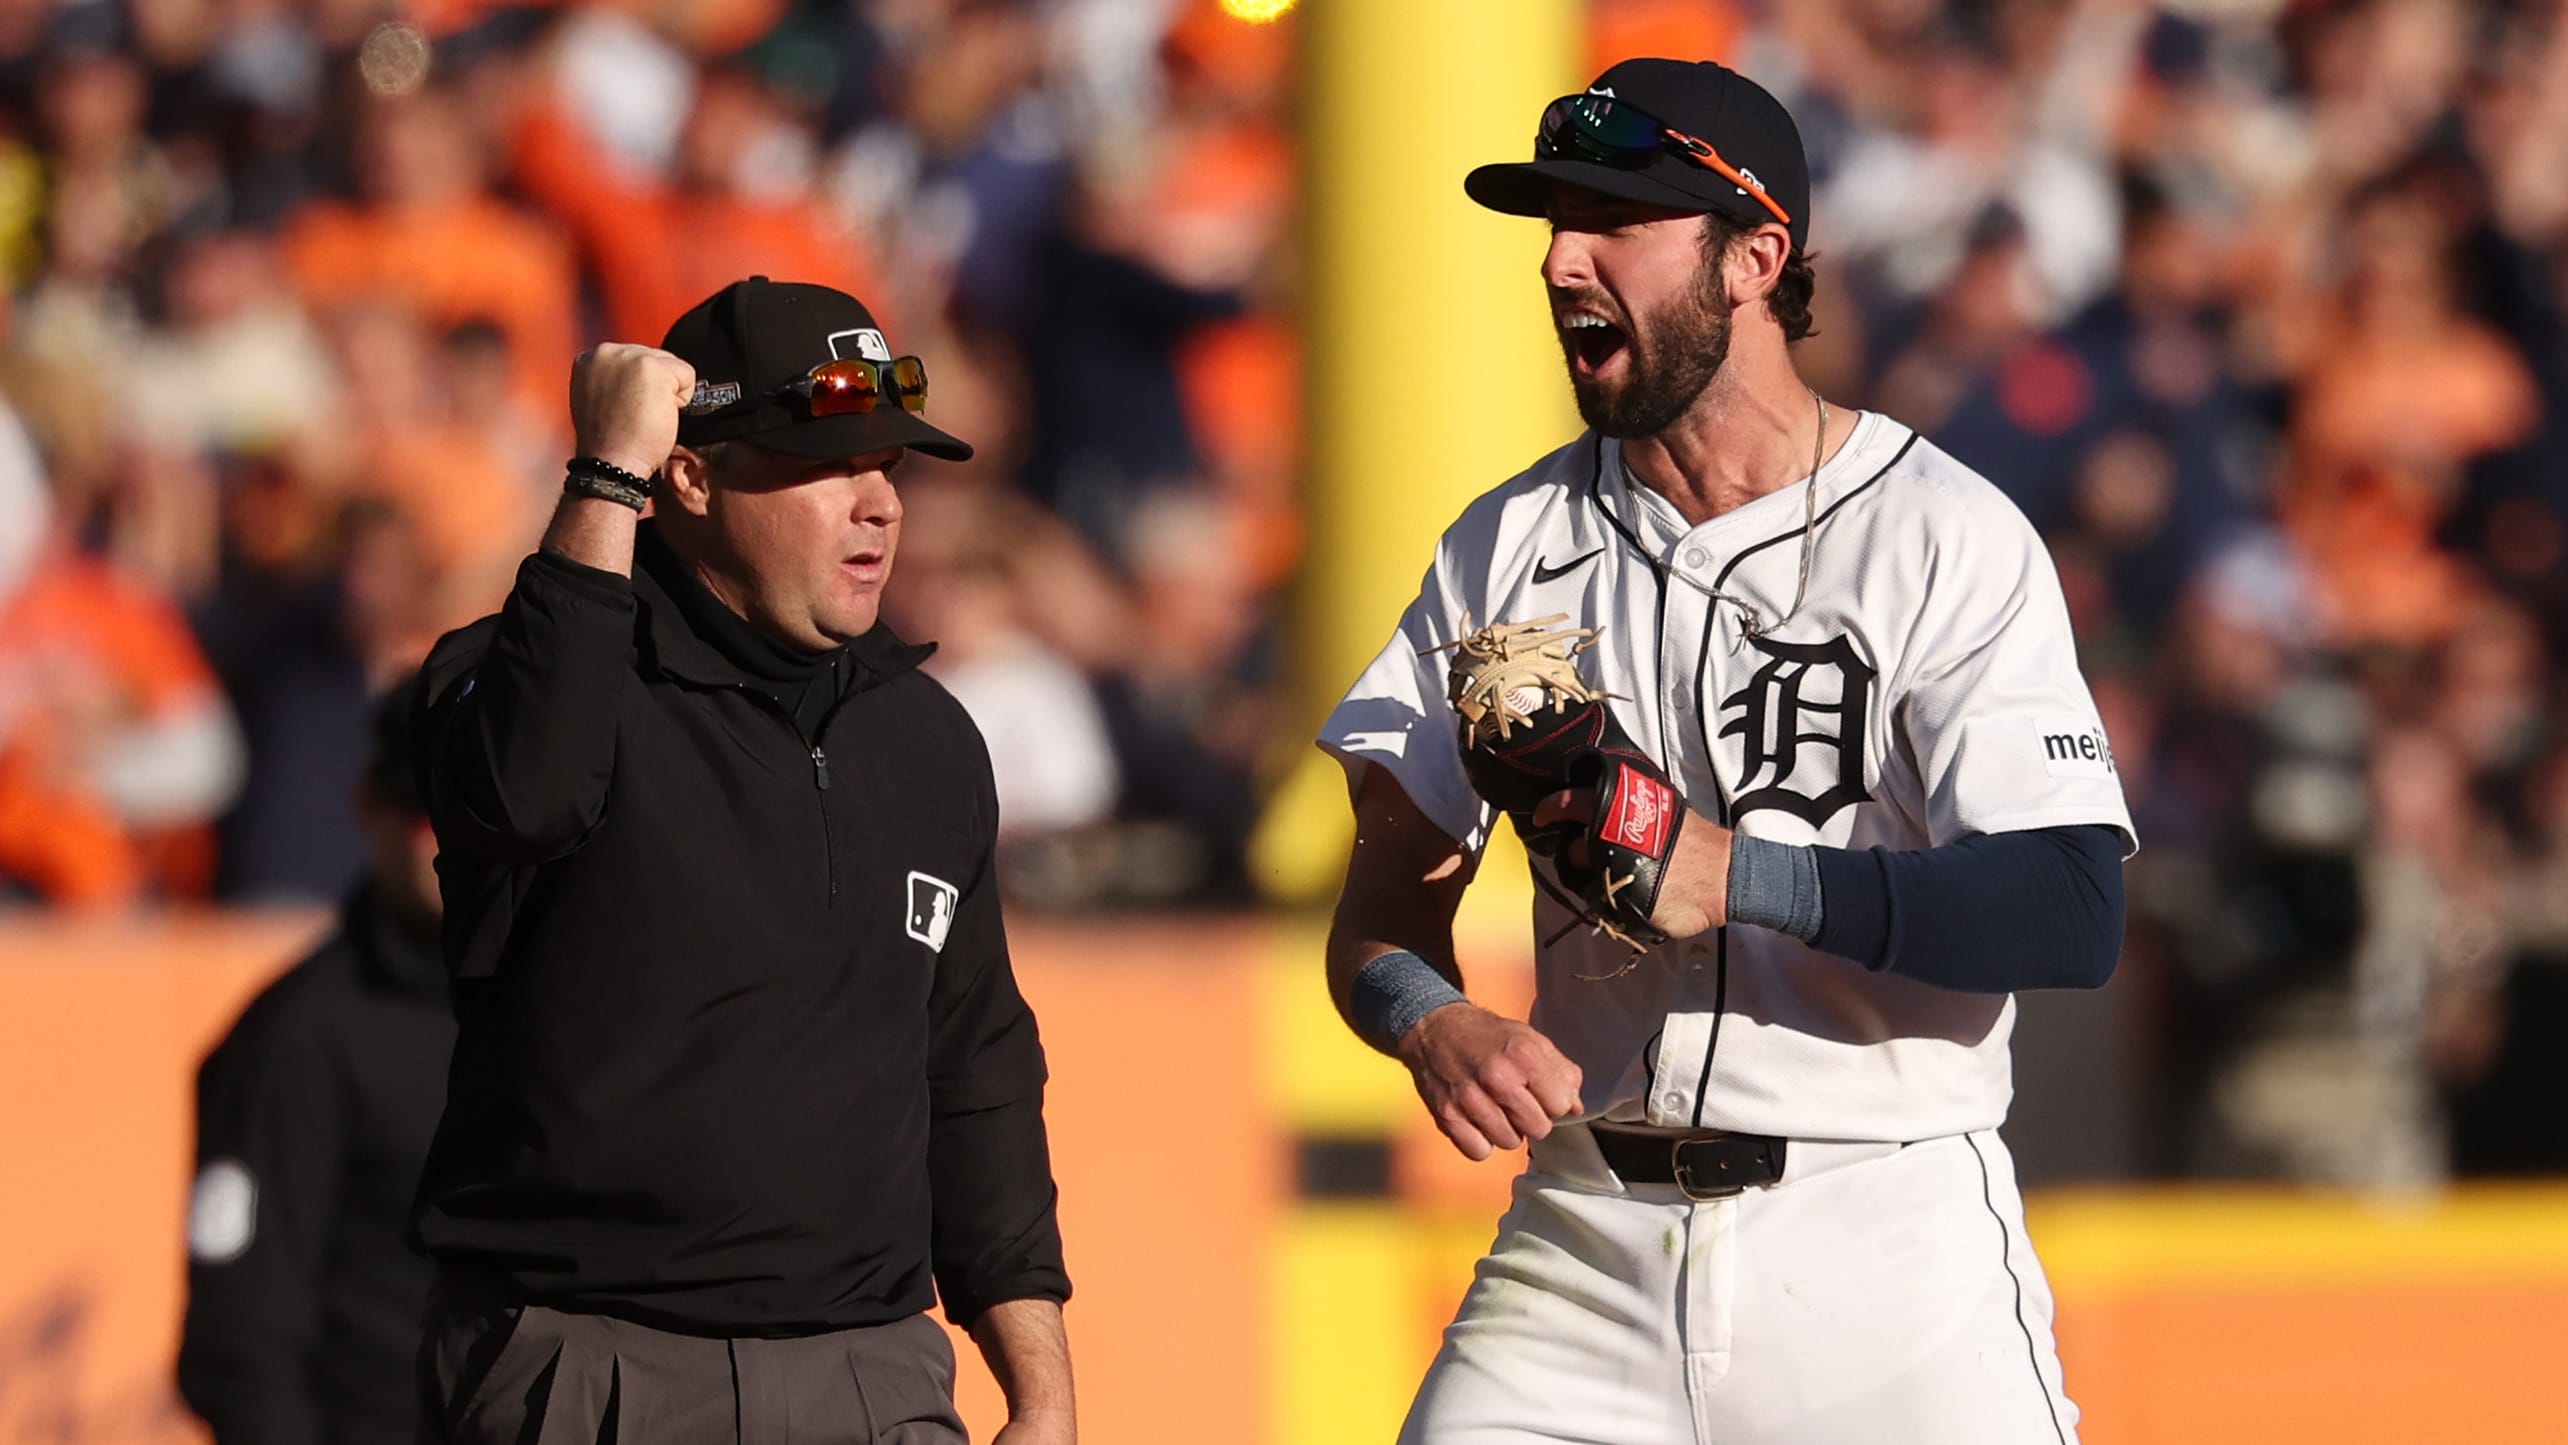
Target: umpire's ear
{"points": [[687, 481]]}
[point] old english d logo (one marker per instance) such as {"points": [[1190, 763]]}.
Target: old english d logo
{"points": [[931, 909], [1775, 717]]}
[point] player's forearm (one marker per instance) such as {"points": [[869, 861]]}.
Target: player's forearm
{"points": [[1996, 913], [1027, 1346], [1404, 883], [1390, 953], [1365, 930], [1383, 993], [1390, 949]]}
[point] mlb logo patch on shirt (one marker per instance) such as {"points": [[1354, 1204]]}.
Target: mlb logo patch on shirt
{"points": [[222, 1212], [2073, 747], [931, 909]]}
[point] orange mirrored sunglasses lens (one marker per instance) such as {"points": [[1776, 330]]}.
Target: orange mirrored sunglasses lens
{"points": [[843, 388], [909, 376]]}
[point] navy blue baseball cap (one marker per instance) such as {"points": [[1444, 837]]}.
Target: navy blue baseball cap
{"points": [[1688, 134]]}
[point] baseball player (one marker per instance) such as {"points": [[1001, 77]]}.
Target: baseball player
{"points": [[1785, 704]]}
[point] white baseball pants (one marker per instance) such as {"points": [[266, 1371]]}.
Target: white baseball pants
{"points": [[1876, 1295]]}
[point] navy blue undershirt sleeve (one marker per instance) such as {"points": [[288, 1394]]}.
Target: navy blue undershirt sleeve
{"points": [[1993, 913]]}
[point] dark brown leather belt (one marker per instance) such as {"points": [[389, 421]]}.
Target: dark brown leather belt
{"points": [[1705, 1165]]}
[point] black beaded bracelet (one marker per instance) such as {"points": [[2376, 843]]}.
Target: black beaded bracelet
{"points": [[597, 477]]}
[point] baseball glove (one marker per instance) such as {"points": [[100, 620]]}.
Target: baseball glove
{"points": [[1531, 727]]}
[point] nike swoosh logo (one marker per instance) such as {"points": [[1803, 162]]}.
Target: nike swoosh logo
{"points": [[1545, 572]]}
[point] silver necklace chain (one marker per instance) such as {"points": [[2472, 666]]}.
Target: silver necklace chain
{"points": [[1752, 622]]}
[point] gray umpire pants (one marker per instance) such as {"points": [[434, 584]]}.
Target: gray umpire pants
{"points": [[528, 1375]]}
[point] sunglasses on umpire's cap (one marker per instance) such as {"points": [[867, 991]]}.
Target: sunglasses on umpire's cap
{"points": [[801, 369], [1690, 135]]}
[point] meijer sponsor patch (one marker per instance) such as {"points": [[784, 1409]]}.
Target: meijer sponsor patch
{"points": [[2073, 747]]}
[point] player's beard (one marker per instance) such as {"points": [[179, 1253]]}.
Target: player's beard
{"points": [[1674, 354]]}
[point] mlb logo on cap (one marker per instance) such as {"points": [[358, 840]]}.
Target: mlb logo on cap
{"points": [[864, 341]]}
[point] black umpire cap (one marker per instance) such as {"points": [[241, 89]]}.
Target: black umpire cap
{"points": [[1614, 140], [753, 341]]}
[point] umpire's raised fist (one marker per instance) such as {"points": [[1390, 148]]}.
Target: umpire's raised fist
{"points": [[625, 401]]}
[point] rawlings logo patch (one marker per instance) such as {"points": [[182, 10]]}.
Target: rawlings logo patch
{"points": [[1640, 812], [712, 396]]}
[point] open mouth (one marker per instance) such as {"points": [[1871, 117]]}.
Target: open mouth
{"points": [[1591, 341]]}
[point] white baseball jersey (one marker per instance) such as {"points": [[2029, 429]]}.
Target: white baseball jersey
{"points": [[1926, 690]]}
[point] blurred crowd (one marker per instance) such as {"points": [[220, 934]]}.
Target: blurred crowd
{"points": [[2259, 308], [292, 290], [2256, 308]]}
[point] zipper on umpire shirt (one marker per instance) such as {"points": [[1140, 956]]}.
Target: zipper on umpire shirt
{"points": [[819, 774], [820, 781], [828, 841]]}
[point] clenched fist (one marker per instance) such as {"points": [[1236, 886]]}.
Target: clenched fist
{"points": [[1488, 1080], [625, 401]]}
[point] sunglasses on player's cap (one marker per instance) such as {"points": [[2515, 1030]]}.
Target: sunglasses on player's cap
{"points": [[801, 369], [1685, 134]]}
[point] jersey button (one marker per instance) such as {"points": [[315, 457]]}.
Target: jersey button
{"points": [[1681, 698], [1696, 557], [1673, 1103]]}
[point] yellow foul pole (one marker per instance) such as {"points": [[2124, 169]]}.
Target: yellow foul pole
{"points": [[1433, 375]]}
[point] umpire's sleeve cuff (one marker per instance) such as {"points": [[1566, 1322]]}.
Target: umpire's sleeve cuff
{"points": [[1043, 1284]]}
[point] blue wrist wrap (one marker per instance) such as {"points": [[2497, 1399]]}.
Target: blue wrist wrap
{"points": [[1774, 885], [1392, 993]]}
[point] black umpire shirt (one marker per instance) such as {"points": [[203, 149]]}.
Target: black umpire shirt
{"points": [[735, 1001], [312, 1117]]}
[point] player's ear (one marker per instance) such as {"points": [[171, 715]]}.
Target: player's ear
{"points": [[1753, 265], [687, 481]]}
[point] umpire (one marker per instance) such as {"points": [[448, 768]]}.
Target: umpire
{"points": [[312, 1117], [743, 1080]]}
